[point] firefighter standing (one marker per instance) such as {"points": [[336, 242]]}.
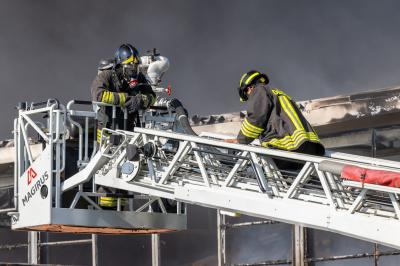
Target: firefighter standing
{"points": [[274, 118], [123, 85]]}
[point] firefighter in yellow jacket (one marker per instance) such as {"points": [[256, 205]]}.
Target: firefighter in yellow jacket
{"points": [[274, 118]]}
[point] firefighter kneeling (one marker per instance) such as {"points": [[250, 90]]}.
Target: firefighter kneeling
{"points": [[274, 118]]}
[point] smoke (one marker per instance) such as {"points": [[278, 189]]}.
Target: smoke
{"points": [[311, 49]]}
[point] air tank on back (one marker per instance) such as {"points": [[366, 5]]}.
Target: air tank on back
{"points": [[154, 66]]}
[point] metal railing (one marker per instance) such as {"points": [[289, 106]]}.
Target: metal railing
{"points": [[222, 175]]}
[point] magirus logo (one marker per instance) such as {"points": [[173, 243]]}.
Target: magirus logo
{"points": [[37, 186], [31, 175]]}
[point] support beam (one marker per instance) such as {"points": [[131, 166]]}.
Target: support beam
{"points": [[155, 250], [33, 247], [221, 230], [95, 258], [299, 244]]}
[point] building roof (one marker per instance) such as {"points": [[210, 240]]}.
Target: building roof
{"points": [[330, 115]]}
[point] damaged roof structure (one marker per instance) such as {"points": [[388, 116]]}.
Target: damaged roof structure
{"points": [[343, 121]]}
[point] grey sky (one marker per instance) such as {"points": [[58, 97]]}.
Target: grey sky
{"points": [[311, 49]]}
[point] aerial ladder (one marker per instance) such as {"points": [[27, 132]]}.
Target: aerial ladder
{"points": [[164, 165], [161, 170]]}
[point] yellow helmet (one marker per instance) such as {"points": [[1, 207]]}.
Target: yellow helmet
{"points": [[248, 79]]}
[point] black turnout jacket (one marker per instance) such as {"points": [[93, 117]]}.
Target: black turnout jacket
{"points": [[108, 88], [274, 118]]}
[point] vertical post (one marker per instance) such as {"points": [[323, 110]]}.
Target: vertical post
{"points": [[373, 143], [376, 255], [95, 258], [86, 139], [221, 230], [113, 117], [95, 143], [33, 250], [155, 247], [125, 117], [57, 177], [155, 250], [373, 155], [44, 249], [298, 236]]}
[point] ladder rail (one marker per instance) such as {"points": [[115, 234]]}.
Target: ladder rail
{"points": [[326, 192], [233, 177], [331, 201]]}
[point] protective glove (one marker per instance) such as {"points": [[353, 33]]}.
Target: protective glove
{"points": [[145, 101], [175, 103], [133, 103]]}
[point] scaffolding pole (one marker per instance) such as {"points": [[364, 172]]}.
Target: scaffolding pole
{"points": [[33, 247], [299, 244], [95, 258], [228, 225], [221, 231], [155, 250]]}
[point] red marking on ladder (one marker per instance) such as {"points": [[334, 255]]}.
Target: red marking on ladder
{"points": [[169, 90], [31, 175]]}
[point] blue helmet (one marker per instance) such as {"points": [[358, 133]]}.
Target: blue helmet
{"points": [[126, 54], [127, 62]]}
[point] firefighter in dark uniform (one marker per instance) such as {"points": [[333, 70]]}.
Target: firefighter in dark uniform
{"points": [[274, 118], [122, 85], [125, 86]]}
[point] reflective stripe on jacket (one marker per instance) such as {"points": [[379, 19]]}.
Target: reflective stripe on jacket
{"points": [[107, 88], [104, 89], [111, 202]]}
